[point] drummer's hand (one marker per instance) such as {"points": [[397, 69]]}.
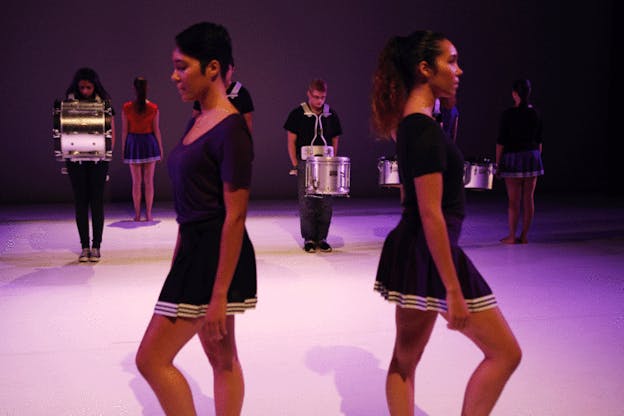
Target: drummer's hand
{"points": [[293, 171]]}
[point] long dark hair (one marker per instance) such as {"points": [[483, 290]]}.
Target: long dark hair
{"points": [[206, 41], [87, 74], [396, 75], [522, 87], [140, 87]]}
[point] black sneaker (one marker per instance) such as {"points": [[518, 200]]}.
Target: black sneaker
{"points": [[84, 255], [309, 247], [324, 246], [95, 255]]}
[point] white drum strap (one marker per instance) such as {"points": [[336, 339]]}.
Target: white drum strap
{"points": [[318, 125], [235, 90]]}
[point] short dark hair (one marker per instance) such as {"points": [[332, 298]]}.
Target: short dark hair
{"points": [[207, 41], [318, 85]]}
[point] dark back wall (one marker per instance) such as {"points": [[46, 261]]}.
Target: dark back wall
{"points": [[279, 46]]}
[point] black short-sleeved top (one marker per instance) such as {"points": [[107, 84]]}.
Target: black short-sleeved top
{"points": [[198, 170], [238, 95], [423, 148], [520, 129], [303, 126]]}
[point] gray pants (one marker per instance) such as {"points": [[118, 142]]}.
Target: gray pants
{"points": [[315, 212]]}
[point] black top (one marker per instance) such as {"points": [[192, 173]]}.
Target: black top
{"points": [[239, 97], [423, 148], [304, 125], [198, 170], [520, 129]]}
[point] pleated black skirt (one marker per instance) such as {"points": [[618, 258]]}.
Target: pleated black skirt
{"points": [[188, 287], [407, 275]]}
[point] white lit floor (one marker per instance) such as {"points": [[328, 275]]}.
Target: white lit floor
{"points": [[319, 341]]}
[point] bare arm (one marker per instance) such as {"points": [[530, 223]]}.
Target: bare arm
{"points": [[248, 120], [292, 148], [429, 196], [334, 142], [236, 201], [156, 128], [124, 133], [499, 152]]}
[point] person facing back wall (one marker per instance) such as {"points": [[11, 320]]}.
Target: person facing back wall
{"points": [[141, 142]]}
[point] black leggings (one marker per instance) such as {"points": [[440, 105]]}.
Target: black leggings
{"points": [[87, 180]]}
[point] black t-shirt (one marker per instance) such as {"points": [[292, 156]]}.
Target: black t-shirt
{"points": [[305, 127], [239, 97], [198, 170], [520, 129], [423, 148]]}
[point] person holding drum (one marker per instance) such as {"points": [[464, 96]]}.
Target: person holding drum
{"points": [[213, 272], [309, 124], [519, 159], [88, 177], [142, 145], [421, 268]]}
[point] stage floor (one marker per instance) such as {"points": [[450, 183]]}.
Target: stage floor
{"points": [[319, 341]]}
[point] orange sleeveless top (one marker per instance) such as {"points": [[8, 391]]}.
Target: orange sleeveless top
{"points": [[140, 123]]}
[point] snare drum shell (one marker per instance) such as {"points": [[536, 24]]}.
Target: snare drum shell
{"points": [[388, 172], [328, 176], [478, 175], [82, 131]]}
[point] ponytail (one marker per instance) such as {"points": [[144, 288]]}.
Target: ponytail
{"points": [[140, 87], [389, 90], [396, 75]]}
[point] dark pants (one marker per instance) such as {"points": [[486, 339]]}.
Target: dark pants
{"points": [[87, 180], [315, 212]]}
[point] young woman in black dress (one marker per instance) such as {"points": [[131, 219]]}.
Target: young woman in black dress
{"points": [[422, 269], [213, 273]]}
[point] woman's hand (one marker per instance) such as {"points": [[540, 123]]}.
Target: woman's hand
{"points": [[457, 314], [214, 324]]}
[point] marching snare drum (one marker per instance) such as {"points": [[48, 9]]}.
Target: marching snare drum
{"points": [[388, 172], [479, 175], [327, 176], [82, 130], [323, 151]]}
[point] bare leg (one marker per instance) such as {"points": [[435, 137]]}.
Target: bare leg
{"points": [[148, 181], [137, 178], [491, 333], [514, 194], [229, 384], [413, 329], [528, 206], [162, 341]]}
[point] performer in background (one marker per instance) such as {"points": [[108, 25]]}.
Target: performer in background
{"points": [[449, 116], [141, 142], [312, 121], [213, 272], [422, 269], [238, 95], [519, 159], [89, 177]]}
